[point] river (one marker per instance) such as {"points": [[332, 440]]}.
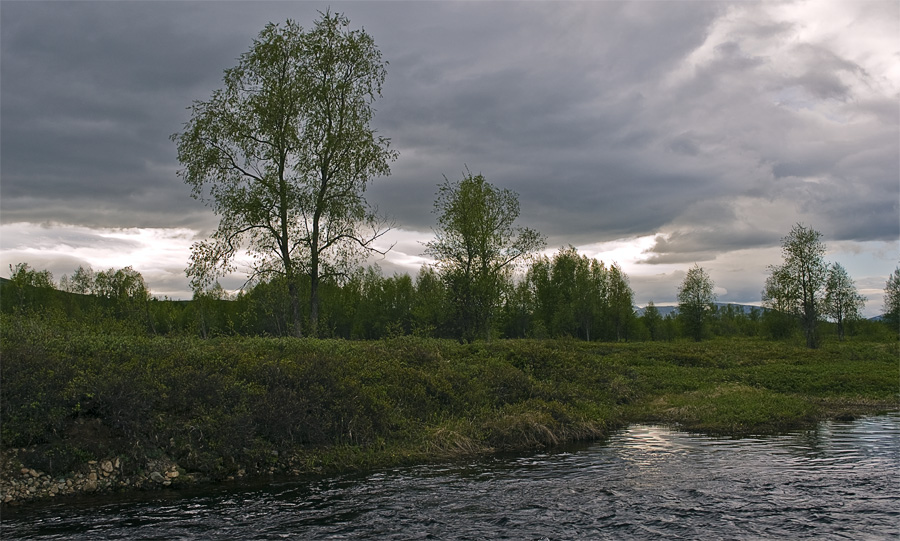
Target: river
{"points": [[840, 480]]}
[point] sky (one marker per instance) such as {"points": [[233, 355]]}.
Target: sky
{"points": [[657, 135]]}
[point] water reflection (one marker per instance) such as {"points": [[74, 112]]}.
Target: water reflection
{"points": [[835, 482]]}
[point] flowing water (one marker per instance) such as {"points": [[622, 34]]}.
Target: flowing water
{"points": [[840, 480]]}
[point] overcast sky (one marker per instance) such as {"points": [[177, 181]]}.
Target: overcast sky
{"points": [[654, 134]]}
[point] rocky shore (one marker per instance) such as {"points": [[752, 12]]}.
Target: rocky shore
{"points": [[20, 484]]}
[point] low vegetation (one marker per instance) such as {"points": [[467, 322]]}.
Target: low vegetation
{"points": [[73, 393], [154, 392]]}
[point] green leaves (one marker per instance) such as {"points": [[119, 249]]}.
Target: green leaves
{"points": [[695, 300], [797, 285], [283, 152], [476, 245], [842, 302], [892, 299]]}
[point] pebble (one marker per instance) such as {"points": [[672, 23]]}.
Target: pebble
{"points": [[21, 484], [158, 477]]}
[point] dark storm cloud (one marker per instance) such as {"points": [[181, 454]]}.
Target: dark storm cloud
{"points": [[541, 101], [87, 89], [609, 119]]}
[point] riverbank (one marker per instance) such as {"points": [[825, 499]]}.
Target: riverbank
{"points": [[627, 486], [85, 413]]}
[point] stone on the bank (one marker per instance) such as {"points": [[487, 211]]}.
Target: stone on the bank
{"points": [[157, 477]]}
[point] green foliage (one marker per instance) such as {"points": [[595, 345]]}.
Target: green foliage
{"points": [[283, 153], [620, 302], [574, 296], [476, 245], [892, 300], [732, 320], [842, 302], [737, 409], [27, 288], [797, 286], [653, 321], [571, 294], [22, 275], [565, 296], [696, 301], [750, 386], [73, 393]]}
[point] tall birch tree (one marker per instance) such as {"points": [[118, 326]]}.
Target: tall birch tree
{"points": [[797, 286], [843, 302], [283, 154], [475, 247], [696, 301]]}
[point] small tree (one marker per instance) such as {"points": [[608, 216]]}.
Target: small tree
{"points": [[23, 275], [283, 154], [892, 300], [696, 301], [207, 302], [620, 302], [476, 246], [126, 293], [29, 288], [429, 309], [518, 310], [653, 321], [842, 302], [82, 281], [797, 286]]}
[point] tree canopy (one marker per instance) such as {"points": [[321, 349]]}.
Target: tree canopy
{"points": [[843, 302], [892, 299], [696, 300], [283, 153], [476, 244], [797, 286]]}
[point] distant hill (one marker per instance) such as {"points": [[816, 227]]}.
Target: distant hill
{"points": [[665, 310]]}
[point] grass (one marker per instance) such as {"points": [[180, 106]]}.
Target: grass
{"points": [[745, 386], [227, 405]]}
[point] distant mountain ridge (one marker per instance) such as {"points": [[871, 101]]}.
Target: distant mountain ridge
{"points": [[666, 309]]}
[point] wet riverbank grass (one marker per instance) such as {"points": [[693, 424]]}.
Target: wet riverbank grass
{"points": [[232, 406], [738, 387]]}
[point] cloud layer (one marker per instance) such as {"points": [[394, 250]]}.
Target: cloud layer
{"points": [[709, 127]]}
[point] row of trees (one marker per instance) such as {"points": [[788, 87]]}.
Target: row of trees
{"points": [[804, 287], [283, 154], [122, 293], [808, 287], [566, 295]]}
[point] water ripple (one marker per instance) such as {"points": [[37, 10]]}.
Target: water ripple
{"points": [[838, 481]]}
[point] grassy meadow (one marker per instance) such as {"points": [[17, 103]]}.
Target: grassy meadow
{"points": [[236, 405]]}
